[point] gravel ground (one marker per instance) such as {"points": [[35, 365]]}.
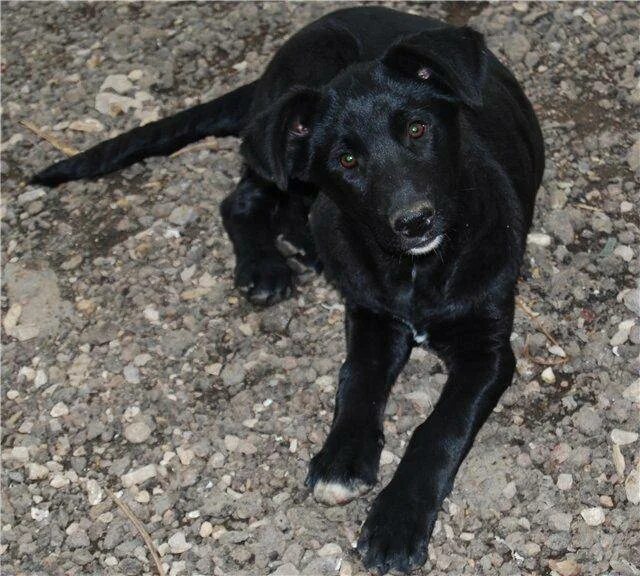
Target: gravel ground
{"points": [[131, 365]]}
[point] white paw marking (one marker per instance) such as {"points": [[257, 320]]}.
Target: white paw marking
{"points": [[335, 494]]}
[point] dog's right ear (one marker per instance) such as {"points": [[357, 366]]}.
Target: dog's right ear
{"points": [[273, 142]]}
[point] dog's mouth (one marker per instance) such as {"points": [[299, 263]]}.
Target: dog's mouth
{"points": [[424, 245]]}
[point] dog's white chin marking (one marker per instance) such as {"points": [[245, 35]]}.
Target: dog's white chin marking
{"points": [[427, 248], [336, 494]]}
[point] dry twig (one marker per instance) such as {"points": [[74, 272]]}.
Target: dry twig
{"points": [[140, 528], [53, 140], [207, 145], [537, 324]]}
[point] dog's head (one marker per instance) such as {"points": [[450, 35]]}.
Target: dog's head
{"points": [[382, 139]]}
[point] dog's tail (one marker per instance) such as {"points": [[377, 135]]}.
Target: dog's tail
{"points": [[224, 116]]}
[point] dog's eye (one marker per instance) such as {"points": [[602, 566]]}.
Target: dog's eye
{"points": [[348, 160], [416, 130]]}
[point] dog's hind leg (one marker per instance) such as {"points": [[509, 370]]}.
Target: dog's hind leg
{"points": [[248, 215]]}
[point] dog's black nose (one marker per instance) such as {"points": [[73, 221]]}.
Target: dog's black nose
{"points": [[413, 222]]}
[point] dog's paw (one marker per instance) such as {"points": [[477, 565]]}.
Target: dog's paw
{"points": [[396, 533], [265, 281], [346, 467]]}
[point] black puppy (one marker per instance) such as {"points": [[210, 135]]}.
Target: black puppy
{"points": [[419, 158]]}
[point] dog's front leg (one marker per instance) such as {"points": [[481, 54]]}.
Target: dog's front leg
{"points": [[377, 349], [397, 530]]}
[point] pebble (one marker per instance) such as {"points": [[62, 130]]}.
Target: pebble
{"points": [[287, 569], [118, 82], [593, 516], [90, 125], [139, 475], [206, 529], [623, 437], [618, 460], [567, 567], [587, 420], [548, 376], [560, 521], [632, 486], [131, 374], [331, 549], [39, 514], [113, 104], [31, 195], [59, 409], [94, 492], [632, 392], [182, 215], [178, 544], [20, 453], [37, 471], [539, 239], [185, 455], [137, 432], [624, 252], [565, 481]]}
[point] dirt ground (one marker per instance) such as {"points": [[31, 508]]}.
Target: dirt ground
{"points": [[131, 365]]}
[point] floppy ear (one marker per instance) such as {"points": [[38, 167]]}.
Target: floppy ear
{"points": [[273, 141], [453, 60]]}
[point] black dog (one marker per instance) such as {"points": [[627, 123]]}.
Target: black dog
{"points": [[419, 158]]}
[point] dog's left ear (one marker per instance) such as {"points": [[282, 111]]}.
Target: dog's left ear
{"points": [[453, 60], [275, 141]]}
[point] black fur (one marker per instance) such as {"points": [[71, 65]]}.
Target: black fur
{"points": [[423, 231]]}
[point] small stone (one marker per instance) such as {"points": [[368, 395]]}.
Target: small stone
{"points": [[632, 486], [117, 82], [178, 544], [39, 514], [113, 104], [139, 475], [143, 497], [622, 437], [516, 46], [330, 549], [151, 314], [60, 409], [137, 432], [142, 359], [31, 195], [206, 529], [90, 125], [548, 376], [40, 379], [618, 460], [632, 392], [539, 239], [59, 481], [94, 492], [593, 516], [131, 374], [624, 252], [587, 420], [287, 569], [182, 215], [12, 394], [19, 453], [185, 455], [560, 522], [231, 442], [37, 471], [386, 458], [565, 567], [565, 481], [625, 206]]}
